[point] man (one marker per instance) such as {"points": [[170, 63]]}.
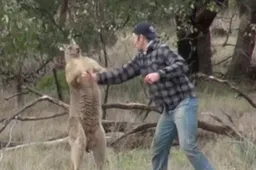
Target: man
{"points": [[164, 73]]}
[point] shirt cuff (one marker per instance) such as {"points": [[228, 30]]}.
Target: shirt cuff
{"points": [[100, 79], [161, 73]]}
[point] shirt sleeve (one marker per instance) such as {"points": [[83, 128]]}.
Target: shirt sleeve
{"points": [[175, 64], [117, 76]]}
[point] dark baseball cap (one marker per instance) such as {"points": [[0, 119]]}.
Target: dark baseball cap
{"points": [[145, 29]]}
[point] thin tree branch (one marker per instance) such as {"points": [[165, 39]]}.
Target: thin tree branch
{"points": [[40, 118], [228, 116], [14, 95], [232, 132], [229, 30], [222, 61]]}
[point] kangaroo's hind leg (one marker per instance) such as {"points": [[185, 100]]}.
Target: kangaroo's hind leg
{"points": [[77, 153], [77, 144], [99, 150]]}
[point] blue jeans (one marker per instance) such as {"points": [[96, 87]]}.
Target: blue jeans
{"points": [[181, 121]]}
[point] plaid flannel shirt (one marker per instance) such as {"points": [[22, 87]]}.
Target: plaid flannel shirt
{"points": [[173, 85]]}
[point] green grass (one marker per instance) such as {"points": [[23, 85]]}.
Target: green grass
{"points": [[57, 157]]}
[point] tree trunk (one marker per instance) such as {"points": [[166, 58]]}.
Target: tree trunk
{"points": [[195, 47], [57, 84], [20, 97], [187, 46], [242, 55], [204, 19], [204, 53]]}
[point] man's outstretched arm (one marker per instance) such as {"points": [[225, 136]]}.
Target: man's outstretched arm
{"points": [[120, 75]]}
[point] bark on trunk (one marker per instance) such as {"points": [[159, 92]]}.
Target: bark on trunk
{"points": [[242, 55], [204, 53], [20, 97]]}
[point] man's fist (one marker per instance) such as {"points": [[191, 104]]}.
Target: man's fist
{"points": [[152, 78]]}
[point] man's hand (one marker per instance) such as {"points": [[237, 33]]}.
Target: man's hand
{"points": [[91, 73], [152, 78]]}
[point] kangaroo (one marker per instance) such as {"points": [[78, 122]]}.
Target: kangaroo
{"points": [[85, 130]]}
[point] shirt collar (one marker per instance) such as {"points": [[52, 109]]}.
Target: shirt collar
{"points": [[150, 46]]}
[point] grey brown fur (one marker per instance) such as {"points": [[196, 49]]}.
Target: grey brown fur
{"points": [[84, 123]]}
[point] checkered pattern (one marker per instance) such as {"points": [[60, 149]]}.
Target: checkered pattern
{"points": [[173, 85]]}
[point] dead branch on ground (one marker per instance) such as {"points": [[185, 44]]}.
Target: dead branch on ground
{"points": [[23, 119], [225, 130], [109, 126], [122, 126], [47, 143], [232, 87], [128, 106], [8, 120]]}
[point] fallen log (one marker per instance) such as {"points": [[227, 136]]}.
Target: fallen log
{"points": [[110, 126], [65, 106], [140, 140], [217, 129]]}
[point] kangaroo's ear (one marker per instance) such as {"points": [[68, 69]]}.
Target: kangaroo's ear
{"points": [[62, 47], [72, 41]]}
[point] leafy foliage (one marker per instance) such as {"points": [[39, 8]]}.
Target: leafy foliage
{"points": [[47, 83], [34, 28], [18, 38]]}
